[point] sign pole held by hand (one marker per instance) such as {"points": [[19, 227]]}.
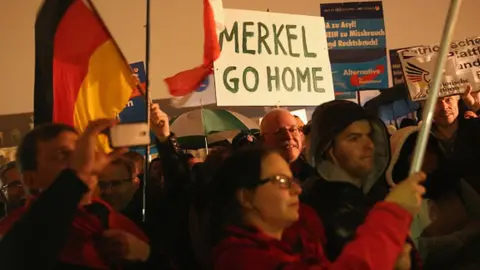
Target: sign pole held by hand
{"points": [[423, 136]]}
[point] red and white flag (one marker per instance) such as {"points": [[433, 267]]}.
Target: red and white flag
{"points": [[188, 81]]}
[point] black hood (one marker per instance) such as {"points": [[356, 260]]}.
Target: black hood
{"points": [[331, 118]]}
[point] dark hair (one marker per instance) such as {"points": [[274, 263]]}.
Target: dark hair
{"points": [[27, 151], [240, 171]]}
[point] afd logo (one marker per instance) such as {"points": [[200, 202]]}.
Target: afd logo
{"points": [[204, 85], [418, 75]]}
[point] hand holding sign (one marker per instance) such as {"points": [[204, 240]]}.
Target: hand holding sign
{"points": [[408, 193]]}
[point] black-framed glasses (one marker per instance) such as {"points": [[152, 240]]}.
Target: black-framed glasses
{"points": [[283, 181], [113, 183]]}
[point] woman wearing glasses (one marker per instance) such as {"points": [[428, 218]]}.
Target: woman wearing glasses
{"points": [[257, 222]]}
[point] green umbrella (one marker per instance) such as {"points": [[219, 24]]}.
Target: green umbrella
{"points": [[214, 124]]}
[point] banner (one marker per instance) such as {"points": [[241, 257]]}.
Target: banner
{"points": [[462, 68], [357, 46], [271, 59], [204, 95]]}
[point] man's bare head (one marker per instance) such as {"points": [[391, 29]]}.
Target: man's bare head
{"points": [[279, 129]]}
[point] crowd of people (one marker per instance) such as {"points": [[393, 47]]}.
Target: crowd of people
{"points": [[334, 193]]}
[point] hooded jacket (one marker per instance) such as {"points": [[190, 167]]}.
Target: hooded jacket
{"points": [[341, 204], [443, 187]]}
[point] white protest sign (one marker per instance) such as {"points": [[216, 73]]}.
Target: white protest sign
{"points": [[271, 59], [462, 68]]}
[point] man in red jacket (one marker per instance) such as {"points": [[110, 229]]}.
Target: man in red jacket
{"points": [[62, 226]]}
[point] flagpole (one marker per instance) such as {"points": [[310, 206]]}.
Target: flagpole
{"points": [[422, 140], [203, 126], [148, 103]]}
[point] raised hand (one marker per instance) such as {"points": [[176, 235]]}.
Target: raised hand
{"points": [[159, 121], [86, 161]]}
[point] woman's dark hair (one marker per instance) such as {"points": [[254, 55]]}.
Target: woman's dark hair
{"points": [[240, 171]]}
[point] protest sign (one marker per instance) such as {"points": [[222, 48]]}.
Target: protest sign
{"points": [[272, 59], [396, 67], [357, 46], [462, 68], [135, 109]]}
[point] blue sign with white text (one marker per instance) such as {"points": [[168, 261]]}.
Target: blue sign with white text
{"points": [[357, 45], [135, 110]]}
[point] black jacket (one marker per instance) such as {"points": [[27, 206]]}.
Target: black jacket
{"points": [[466, 151], [167, 221], [342, 208]]}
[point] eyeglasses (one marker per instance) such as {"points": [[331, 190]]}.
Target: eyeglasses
{"points": [[112, 184], [283, 181], [14, 184], [282, 132]]}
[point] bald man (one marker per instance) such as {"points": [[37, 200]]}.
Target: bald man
{"points": [[279, 129]]}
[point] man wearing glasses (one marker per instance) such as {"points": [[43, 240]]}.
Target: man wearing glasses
{"points": [[118, 183], [11, 189], [281, 130]]}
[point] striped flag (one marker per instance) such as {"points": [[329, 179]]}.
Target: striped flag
{"points": [[188, 81], [80, 73]]}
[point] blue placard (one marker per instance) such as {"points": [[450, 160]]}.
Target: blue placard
{"points": [[135, 109], [357, 45]]}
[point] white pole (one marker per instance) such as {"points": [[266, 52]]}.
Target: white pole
{"points": [[423, 136]]}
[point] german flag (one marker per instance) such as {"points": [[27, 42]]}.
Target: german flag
{"points": [[80, 73]]}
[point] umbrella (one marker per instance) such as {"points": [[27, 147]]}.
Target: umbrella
{"points": [[214, 124], [392, 103]]}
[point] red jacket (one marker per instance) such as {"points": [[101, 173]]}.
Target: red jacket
{"points": [[86, 228], [378, 244]]}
